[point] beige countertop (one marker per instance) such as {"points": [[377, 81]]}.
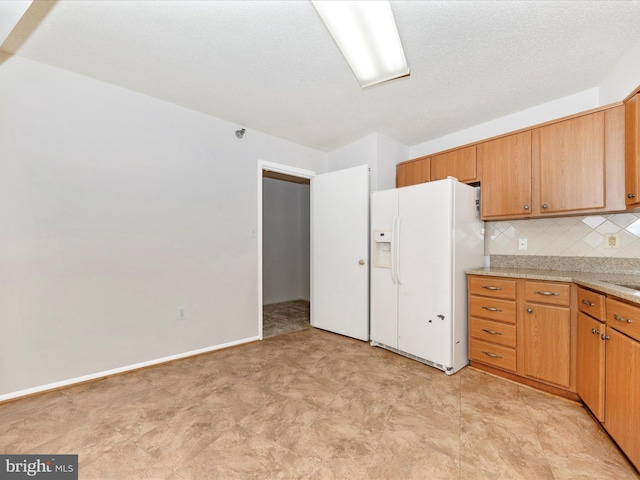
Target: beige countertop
{"points": [[608, 283]]}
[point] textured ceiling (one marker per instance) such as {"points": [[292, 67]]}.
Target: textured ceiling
{"points": [[272, 66]]}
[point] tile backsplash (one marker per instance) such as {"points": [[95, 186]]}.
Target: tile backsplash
{"points": [[566, 236]]}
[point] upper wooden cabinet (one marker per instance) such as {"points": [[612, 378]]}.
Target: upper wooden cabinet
{"points": [[460, 164], [572, 166], [567, 167], [570, 160], [506, 175], [413, 172], [632, 144]]}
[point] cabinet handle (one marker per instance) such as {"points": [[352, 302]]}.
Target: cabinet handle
{"points": [[526, 207], [594, 331], [548, 294], [491, 287], [587, 302], [491, 332], [631, 195], [621, 319], [529, 310], [604, 337], [492, 309], [492, 355], [545, 206]]}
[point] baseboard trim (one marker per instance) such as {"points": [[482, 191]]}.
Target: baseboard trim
{"points": [[116, 371]]}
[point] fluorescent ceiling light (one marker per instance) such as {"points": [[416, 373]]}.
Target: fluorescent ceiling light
{"points": [[367, 35]]}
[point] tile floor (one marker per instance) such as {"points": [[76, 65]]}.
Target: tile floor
{"points": [[279, 318], [311, 405]]}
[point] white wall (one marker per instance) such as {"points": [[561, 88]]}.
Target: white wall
{"points": [[285, 250], [379, 152], [390, 153], [623, 79], [360, 152], [116, 209]]}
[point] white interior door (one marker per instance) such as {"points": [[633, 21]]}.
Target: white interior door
{"points": [[340, 253]]}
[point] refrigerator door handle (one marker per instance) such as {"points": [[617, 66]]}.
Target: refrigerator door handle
{"points": [[397, 242], [394, 278]]}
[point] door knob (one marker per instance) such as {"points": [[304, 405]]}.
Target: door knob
{"points": [[361, 262]]}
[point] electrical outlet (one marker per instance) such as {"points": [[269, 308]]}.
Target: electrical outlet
{"points": [[611, 240], [182, 313], [522, 244]]}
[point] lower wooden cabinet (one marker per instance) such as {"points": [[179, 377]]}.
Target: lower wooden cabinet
{"points": [[494, 355], [622, 410], [590, 363], [492, 322], [525, 329], [608, 369], [547, 343]]}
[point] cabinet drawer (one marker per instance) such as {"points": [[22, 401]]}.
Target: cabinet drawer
{"points": [[492, 309], [624, 317], [591, 303], [495, 355], [492, 287], [547, 292], [493, 332]]}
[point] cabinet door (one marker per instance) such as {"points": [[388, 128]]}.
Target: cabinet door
{"points": [[569, 165], [590, 364], [506, 175], [632, 152], [460, 164], [413, 172], [547, 343], [622, 411]]}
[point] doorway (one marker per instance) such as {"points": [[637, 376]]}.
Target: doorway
{"points": [[284, 248]]}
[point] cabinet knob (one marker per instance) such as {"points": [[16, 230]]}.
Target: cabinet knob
{"points": [[526, 207], [604, 337], [545, 206], [631, 195], [361, 262], [529, 310], [594, 331]]}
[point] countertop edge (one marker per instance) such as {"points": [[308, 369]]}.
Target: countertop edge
{"points": [[607, 283]]}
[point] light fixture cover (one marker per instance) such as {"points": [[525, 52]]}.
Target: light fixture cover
{"points": [[366, 33]]}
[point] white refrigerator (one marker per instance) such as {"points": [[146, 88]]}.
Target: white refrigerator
{"points": [[423, 239]]}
